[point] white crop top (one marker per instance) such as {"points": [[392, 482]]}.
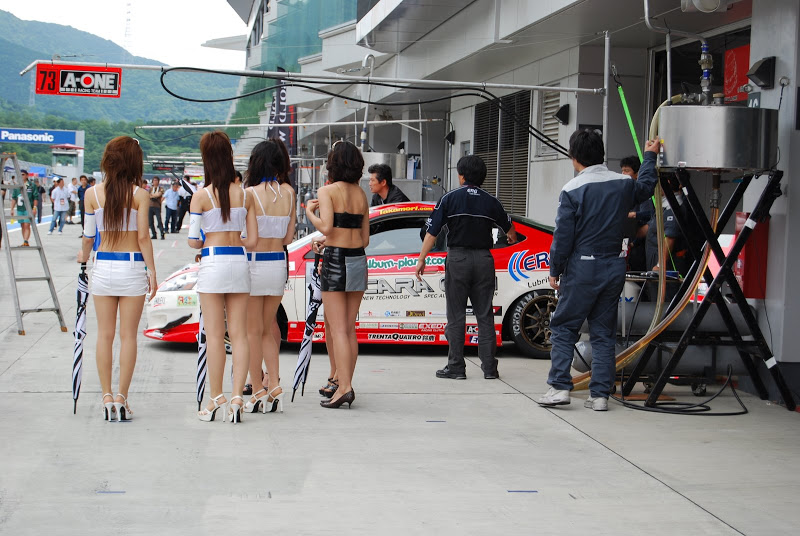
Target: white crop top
{"points": [[272, 226], [128, 225], [212, 219]]}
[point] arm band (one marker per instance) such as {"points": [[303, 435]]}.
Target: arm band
{"points": [[89, 226], [194, 225]]}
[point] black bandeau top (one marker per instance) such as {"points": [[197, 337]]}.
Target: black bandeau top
{"points": [[345, 220]]}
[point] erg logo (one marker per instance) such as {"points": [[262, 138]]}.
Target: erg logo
{"points": [[520, 262]]}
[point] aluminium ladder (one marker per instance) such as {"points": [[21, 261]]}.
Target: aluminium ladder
{"points": [[18, 185]]}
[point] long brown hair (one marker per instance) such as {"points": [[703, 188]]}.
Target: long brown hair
{"points": [[218, 167], [123, 166], [267, 161]]}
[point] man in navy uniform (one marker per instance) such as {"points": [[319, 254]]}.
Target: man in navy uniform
{"points": [[587, 264], [470, 215]]}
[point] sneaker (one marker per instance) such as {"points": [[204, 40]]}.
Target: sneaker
{"points": [[491, 375], [49, 232], [597, 404], [554, 397], [450, 375]]}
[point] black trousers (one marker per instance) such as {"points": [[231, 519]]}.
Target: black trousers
{"points": [[171, 223], [469, 274], [183, 208], [155, 213]]}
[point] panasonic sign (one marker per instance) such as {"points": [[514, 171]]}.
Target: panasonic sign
{"points": [[39, 137]]}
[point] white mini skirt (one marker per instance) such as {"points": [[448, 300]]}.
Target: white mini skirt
{"points": [[267, 273], [223, 270], [118, 274]]}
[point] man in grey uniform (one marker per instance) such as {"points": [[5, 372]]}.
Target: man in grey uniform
{"points": [[587, 264], [470, 214]]}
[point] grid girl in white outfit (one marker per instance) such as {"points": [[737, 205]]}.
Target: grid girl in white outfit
{"points": [[124, 269], [223, 281]]}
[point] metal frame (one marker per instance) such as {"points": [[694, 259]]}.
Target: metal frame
{"points": [[714, 296]]}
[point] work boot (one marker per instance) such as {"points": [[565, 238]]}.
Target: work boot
{"points": [[450, 375], [554, 397], [597, 404]]}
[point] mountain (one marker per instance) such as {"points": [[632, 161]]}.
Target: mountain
{"points": [[143, 99]]}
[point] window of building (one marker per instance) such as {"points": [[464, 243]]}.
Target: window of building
{"points": [[512, 188], [549, 102]]}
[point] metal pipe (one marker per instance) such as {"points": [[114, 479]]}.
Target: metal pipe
{"points": [[659, 29], [499, 155], [369, 58], [669, 66], [317, 124], [319, 78], [420, 143], [606, 67]]}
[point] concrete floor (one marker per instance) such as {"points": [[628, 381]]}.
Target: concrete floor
{"points": [[415, 455]]}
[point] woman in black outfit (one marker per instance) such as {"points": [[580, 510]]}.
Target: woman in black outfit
{"points": [[344, 220]]}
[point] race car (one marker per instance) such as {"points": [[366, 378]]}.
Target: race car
{"points": [[397, 308]]}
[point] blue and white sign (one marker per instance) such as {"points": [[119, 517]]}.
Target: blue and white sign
{"points": [[39, 137]]}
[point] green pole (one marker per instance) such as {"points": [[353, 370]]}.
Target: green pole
{"points": [[630, 122]]}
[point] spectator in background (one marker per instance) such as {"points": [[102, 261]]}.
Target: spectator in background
{"points": [[171, 197], [641, 213], [60, 198], [84, 185], [238, 179], [39, 196], [156, 197], [92, 181], [186, 191], [18, 205], [72, 189], [380, 184]]}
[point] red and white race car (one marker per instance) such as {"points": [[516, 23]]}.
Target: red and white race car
{"points": [[397, 308]]}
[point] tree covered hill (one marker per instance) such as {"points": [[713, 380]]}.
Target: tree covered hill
{"points": [[143, 99]]}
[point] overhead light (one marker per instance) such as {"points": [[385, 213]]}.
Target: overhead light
{"points": [[562, 114]]}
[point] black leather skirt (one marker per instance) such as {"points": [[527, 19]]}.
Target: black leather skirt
{"points": [[343, 270]]}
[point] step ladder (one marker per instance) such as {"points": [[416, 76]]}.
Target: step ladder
{"points": [[18, 185]]}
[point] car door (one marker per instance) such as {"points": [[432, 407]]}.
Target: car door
{"points": [[396, 306]]}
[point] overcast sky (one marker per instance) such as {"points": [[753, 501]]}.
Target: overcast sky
{"points": [[169, 31]]}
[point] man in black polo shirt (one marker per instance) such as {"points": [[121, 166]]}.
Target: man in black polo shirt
{"points": [[380, 184], [470, 215]]}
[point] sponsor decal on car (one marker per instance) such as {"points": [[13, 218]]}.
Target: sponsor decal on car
{"points": [[187, 300], [472, 330], [368, 325], [402, 262], [159, 300], [317, 335], [432, 327], [497, 310], [389, 325], [415, 337], [521, 262], [442, 337], [395, 210], [415, 313], [437, 313], [391, 313], [473, 339], [409, 326]]}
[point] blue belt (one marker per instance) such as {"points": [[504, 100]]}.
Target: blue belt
{"points": [[267, 256], [114, 256], [222, 250]]}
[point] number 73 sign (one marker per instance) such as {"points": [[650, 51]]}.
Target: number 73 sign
{"points": [[54, 79]]}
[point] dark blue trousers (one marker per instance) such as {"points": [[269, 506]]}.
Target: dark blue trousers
{"points": [[590, 289]]}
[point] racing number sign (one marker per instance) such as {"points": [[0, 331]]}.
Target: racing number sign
{"points": [[53, 79]]}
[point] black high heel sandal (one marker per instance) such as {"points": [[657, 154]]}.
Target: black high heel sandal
{"points": [[329, 390]]}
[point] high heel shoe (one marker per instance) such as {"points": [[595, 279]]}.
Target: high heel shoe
{"points": [[123, 410], [236, 414], [348, 397], [276, 401], [329, 390], [108, 407], [252, 407], [207, 415]]}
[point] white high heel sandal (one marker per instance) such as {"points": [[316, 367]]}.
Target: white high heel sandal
{"points": [[123, 410], [252, 407], [208, 415], [236, 414], [108, 407], [275, 402]]}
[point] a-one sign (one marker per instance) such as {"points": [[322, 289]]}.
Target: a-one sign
{"points": [[56, 79], [40, 137]]}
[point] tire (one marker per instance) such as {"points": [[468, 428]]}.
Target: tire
{"points": [[530, 323]]}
